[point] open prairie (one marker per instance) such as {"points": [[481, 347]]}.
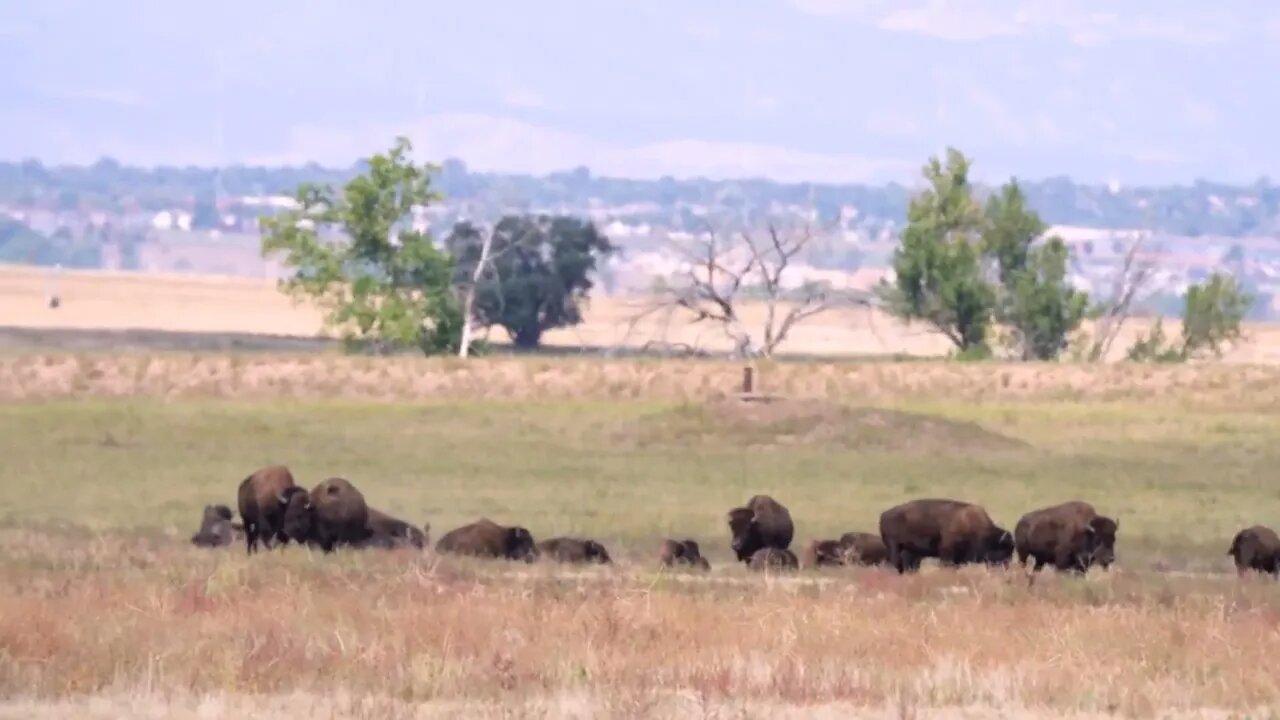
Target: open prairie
{"points": [[107, 611], [110, 309]]}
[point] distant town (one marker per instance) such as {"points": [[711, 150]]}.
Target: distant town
{"points": [[206, 221]]}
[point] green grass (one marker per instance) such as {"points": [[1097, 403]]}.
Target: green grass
{"points": [[1181, 481]]}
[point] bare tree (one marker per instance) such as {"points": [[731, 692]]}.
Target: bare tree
{"points": [[469, 298], [1130, 281], [723, 269]]}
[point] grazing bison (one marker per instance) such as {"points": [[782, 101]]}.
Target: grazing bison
{"points": [[334, 513], [762, 523], [574, 550], [682, 552], [863, 548], [388, 532], [822, 553], [485, 538], [1256, 548], [1071, 536], [772, 558], [263, 497], [954, 532], [216, 527]]}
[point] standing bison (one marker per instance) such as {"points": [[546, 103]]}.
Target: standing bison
{"points": [[762, 523], [334, 513], [216, 527], [574, 550], [263, 497], [1256, 548], [1071, 536], [485, 538], [955, 532], [682, 552]]}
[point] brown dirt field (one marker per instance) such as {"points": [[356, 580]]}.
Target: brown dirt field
{"points": [[198, 303]]}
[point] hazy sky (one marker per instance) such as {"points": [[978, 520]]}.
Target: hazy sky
{"points": [[1140, 91]]}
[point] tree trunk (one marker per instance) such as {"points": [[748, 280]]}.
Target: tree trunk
{"points": [[468, 305], [527, 338]]}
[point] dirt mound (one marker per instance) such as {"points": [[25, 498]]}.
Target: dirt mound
{"points": [[803, 421]]}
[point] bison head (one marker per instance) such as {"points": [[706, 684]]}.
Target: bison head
{"points": [[299, 515], [746, 534], [1102, 535], [518, 545], [1000, 547], [596, 553]]}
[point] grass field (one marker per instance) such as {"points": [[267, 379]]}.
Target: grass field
{"points": [[106, 612]]}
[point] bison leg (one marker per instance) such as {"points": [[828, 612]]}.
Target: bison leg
{"points": [[250, 538]]}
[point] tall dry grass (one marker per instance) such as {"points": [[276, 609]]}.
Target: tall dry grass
{"points": [[42, 376], [122, 617]]}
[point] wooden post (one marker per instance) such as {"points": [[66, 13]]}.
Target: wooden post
{"points": [[748, 380]]}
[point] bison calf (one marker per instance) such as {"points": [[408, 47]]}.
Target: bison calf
{"points": [[682, 552], [574, 550], [1256, 548], [216, 527], [772, 558], [822, 553], [762, 523], [955, 532], [1071, 536], [485, 538]]}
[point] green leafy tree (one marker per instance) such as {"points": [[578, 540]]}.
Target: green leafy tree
{"points": [[939, 277], [537, 275], [384, 284], [1212, 314], [1035, 301]]}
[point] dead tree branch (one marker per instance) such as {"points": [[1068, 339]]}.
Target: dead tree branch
{"points": [[1134, 275]]}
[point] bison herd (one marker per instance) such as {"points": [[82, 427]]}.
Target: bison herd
{"points": [[1070, 537]]}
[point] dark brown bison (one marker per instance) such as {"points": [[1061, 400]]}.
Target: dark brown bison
{"points": [[954, 532], [388, 532], [822, 553], [772, 558], [762, 523], [574, 550], [334, 513], [216, 527], [863, 548], [485, 538], [1071, 536], [682, 552], [1256, 548], [262, 498]]}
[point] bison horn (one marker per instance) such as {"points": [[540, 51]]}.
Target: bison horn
{"points": [[282, 499]]}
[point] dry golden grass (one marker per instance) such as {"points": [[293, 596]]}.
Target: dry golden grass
{"points": [[50, 375], [399, 633], [196, 303]]}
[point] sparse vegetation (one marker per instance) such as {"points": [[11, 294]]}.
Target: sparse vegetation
{"points": [[100, 596]]}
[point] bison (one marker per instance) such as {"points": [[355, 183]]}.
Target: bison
{"points": [[682, 552], [1071, 536], [863, 548], [772, 558], [334, 513], [822, 553], [216, 527], [388, 532], [1256, 548], [574, 550], [955, 532], [485, 538], [762, 523], [263, 497]]}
